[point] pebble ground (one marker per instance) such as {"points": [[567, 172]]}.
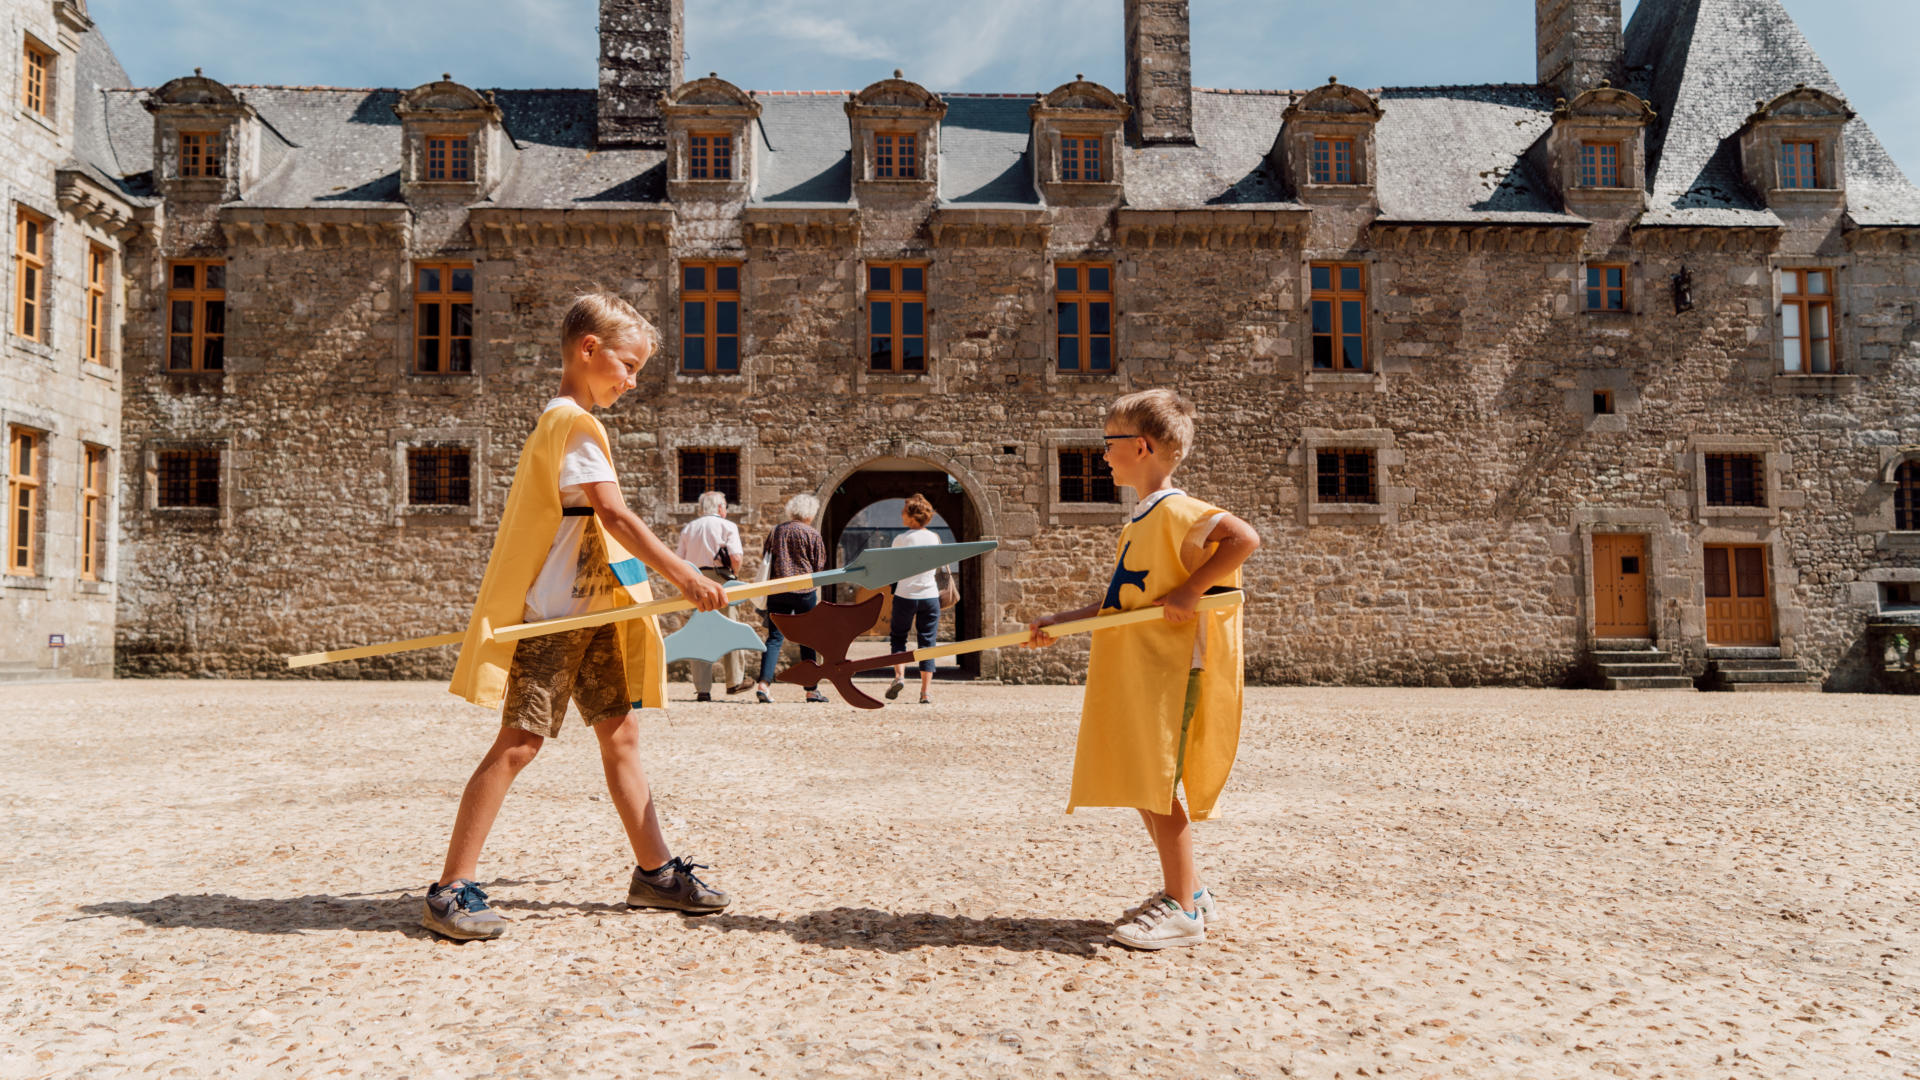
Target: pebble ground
{"points": [[224, 879]]}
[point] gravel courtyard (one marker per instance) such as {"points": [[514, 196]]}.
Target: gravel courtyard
{"points": [[223, 879]]}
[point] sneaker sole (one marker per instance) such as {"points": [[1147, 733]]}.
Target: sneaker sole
{"points": [[656, 905], [453, 934], [1165, 943]]}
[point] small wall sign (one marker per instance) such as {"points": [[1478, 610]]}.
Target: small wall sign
{"points": [[56, 641]]}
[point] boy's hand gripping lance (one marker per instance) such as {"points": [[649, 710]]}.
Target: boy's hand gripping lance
{"points": [[830, 629], [871, 569]]}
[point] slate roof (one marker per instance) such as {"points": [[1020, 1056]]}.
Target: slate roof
{"points": [[1702, 64], [1445, 154], [96, 71]]}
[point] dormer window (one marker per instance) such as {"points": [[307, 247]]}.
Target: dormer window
{"points": [[1333, 161], [1799, 165], [1326, 145], [1600, 164], [449, 157], [201, 155], [710, 156], [895, 156], [1080, 159], [710, 140]]}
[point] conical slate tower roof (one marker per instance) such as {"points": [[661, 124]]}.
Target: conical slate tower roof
{"points": [[1705, 63]]}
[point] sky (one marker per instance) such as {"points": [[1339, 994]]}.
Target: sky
{"points": [[1007, 46]]}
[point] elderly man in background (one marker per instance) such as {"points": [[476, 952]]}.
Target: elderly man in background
{"points": [[712, 543]]}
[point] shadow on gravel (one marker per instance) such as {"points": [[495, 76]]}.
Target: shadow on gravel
{"points": [[386, 913], [884, 931]]}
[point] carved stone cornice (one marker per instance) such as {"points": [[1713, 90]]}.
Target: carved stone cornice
{"points": [[627, 227], [800, 227], [971, 227], [89, 201], [1715, 238], [316, 228], [1884, 237], [1545, 239], [1221, 229]]}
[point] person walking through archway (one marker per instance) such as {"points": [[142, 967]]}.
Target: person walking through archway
{"points": [[916, 600], [794, 547], [712, 543]]}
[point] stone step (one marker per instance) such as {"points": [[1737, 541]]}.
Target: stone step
{"points": [[1749, 677], [1619, 671], [1623, 656], [1731, 666], [1808, 687], [1622, 644], [1649, 682], [1743, 652]]}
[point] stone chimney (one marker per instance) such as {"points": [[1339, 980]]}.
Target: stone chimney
{"points": [[1159, 72], [640, 47], [1579, 44]]}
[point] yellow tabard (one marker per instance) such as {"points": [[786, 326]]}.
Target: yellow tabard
{"points": [[520, 548], [1132, 750]]}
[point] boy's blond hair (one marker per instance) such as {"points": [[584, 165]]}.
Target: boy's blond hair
{"points": [[1164, 417], [608, 317]]}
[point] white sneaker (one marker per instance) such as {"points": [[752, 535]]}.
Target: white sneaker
{"points": [[1205, 905], [1162, 926]]}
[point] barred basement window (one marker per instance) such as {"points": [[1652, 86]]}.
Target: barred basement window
{"points": [[1799, 165], [24, 450], [709, 317], [1606, 288], [1600, 165], [93, 515], [1080, 159], [896, 156], [197, 315], [707, 470], [1085, 477], [1906, 497], [30, 275], [439, 476], [897, 316], [99, 265], [201, 155], [1083, 299], [189, 478], [443, 318], [710, 156], [1806, 322], [1339, 298], [1332, 161], [1736, 480], [36, 79], [449, 157], [1346, 476]]}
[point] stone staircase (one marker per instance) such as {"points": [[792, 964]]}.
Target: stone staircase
{"points": [[1756, 670], [26, 671], [1634, 664]]}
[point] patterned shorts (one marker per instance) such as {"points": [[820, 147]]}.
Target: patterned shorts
{"points": [[584, 665]]}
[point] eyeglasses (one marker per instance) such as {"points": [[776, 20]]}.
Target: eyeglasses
{"points": [[1110, 438]]}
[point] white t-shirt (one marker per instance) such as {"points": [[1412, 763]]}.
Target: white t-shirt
{"points": [[919, 586], [706, 536], [560, 590]]}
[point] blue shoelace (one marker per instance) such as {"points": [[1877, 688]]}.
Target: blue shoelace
{"points": [[468, 897]]}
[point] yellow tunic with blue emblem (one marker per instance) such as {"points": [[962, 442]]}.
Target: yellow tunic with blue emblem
{"points": [[1134, 746], [520, 547]]}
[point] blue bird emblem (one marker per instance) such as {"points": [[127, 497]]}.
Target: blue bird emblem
{"points": [[1122, 577]]}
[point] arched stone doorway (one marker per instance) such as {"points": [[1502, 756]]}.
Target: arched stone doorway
{"points": [[886, 478]]}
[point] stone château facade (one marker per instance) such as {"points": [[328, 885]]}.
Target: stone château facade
{"points": [[1500, 372]]}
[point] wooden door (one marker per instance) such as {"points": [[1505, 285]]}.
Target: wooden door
{"points": [[1620, 586], [1739, 609]]}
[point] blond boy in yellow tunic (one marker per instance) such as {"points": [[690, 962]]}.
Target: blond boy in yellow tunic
{"points": [[1162, 704], [562, 549]]}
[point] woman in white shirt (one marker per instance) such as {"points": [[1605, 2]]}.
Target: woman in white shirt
{"points": [[916, 600]]}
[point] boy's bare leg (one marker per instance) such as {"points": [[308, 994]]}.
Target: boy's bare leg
{"points": [[1173, 839], [512, 750], [627, 786]]}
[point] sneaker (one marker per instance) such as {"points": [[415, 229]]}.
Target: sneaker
{"points": [[682, 892], [925, 700], [740, 687], [459, 911], [703, 697], [816, 696], [1162, 926], [763, 697], [893, 691], [1205, 905]]}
